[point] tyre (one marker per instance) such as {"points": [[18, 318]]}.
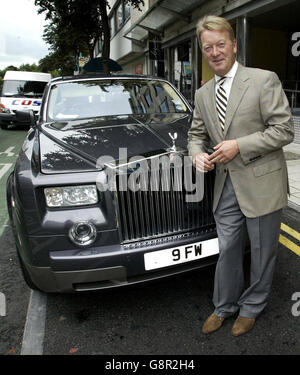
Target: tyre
{"points": [[4, 126]]}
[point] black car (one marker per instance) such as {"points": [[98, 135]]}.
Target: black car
{"points": [[103, 193]]}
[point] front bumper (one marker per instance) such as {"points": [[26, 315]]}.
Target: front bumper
{"points": [[10, 119], [50, 281], [7, 118], [71, 272]]}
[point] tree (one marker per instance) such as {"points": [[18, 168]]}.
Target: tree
{"points": [[76, 25], [29, 68], [2, 72], [57, 64]]}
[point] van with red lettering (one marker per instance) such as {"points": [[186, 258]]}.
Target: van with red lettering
{"points": [[21, 91]]}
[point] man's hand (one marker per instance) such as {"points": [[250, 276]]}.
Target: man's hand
{"points": [[224, 152], [202, 162]]}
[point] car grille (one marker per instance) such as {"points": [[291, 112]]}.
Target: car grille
{"points": [[149, 214]]}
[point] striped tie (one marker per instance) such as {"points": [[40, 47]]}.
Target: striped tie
{"points": [[221, 101]]}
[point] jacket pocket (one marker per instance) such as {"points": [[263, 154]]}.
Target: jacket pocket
{"points": [[270, 166]]}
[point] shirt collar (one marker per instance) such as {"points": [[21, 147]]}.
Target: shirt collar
{"points": [[231, 72]]}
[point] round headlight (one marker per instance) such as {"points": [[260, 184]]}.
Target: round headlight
{"points": [[83, 233]]}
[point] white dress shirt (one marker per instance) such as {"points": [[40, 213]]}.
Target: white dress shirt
{"points": [[228, 81]]}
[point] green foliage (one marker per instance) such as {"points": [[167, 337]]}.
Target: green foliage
{"points": [[29, 68], [2, 72], [58, 64], [75, 26]]}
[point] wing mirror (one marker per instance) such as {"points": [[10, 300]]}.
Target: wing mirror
{"points": [[26, 117]]}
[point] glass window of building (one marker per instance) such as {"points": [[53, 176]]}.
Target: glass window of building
{"points": [[126, 11], [182, 74], [112, 25], [119, 14]]}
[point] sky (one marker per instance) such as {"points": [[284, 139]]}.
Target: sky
{"points": [[21, 31]]}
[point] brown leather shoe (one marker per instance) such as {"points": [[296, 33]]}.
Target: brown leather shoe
{"points": [[242, 325], [212, 323]]}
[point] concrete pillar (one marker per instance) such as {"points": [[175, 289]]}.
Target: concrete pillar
{"points": [[242, 37], [196, 65], [150, 67]]}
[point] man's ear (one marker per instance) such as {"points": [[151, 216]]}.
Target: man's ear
{"points": [[234, 46]]}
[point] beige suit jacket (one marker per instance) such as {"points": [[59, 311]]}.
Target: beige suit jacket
{"points": [[259, 118]]}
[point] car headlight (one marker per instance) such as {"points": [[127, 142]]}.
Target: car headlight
{"points": [[66, 196]]}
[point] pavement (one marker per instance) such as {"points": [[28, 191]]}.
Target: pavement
{"points": [[292, 155]]}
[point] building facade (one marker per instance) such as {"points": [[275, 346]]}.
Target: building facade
{"points": [[161, 40]]}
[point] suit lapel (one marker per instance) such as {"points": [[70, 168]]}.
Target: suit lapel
{"points": [[238, 90]]}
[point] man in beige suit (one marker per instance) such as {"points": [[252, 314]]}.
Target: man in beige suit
{"points": [[244, 116]]}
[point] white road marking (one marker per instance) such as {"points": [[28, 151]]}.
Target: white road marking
{"points": [[34, 332], [8, 151], [5, 167], [2, 304], [3, 226]]}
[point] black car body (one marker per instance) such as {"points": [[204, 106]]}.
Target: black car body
{"points": [[71, 236]]}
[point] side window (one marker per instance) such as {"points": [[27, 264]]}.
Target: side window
{"points": [[112, 25], [126, 11], [119, 14]]}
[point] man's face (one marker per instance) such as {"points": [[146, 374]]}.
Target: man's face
{"points": [[219, 50]]}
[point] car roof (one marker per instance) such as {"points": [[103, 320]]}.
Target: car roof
{"points": [[97, 76]]}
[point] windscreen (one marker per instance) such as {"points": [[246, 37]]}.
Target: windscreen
{"points": [[23, 89], [85, 99]]}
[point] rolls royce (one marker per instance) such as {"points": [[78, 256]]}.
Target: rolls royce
{"points": [[103, 193]]}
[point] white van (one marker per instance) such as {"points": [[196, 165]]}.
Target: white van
{"points": [[21, 91]]}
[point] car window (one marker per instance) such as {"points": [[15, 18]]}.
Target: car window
{"points": [[32, 89], [85, 99]]}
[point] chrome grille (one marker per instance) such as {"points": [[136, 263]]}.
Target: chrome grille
{"points": [[155, 212]]}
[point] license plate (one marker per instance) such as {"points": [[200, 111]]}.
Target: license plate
{"points": [[181, 254]]}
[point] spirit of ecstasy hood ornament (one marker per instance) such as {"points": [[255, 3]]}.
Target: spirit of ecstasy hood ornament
{"points": [[173, 137]]}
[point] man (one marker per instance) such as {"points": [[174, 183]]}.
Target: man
{"points": [[244, 116]]}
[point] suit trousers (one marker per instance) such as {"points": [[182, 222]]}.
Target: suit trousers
{"points": [[230, 294]]}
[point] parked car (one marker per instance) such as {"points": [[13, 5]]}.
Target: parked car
{"points": [[91, 202], [21, 91]]}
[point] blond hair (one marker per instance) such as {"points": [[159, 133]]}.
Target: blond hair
{"points": [[213, 23]]}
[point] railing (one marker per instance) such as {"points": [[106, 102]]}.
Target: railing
{"points": [[294, 99], [292, 90]]}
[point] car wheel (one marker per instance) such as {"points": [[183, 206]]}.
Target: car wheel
{"points": [[3, 126]]}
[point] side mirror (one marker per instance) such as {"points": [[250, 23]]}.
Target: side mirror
{"points": [[26, 117]]}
